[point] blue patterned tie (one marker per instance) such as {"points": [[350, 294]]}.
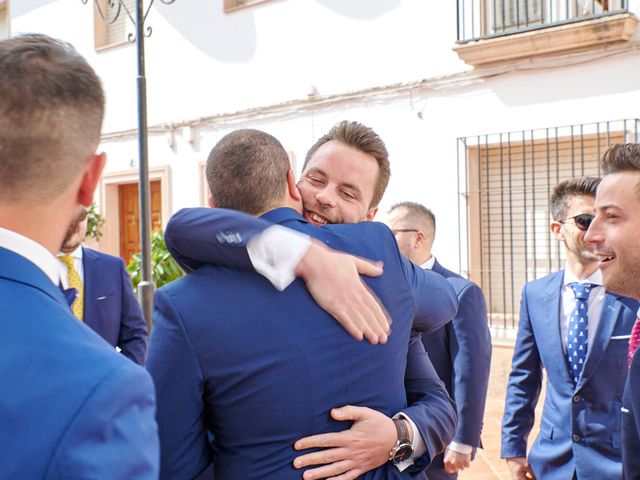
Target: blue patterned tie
{"points": [[577, 332]]}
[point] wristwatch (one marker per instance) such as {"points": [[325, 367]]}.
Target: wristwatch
{"points": [[403, 449]]}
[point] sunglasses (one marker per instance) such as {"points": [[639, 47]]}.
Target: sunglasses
{"points": [[398, 230], [581, 221]]}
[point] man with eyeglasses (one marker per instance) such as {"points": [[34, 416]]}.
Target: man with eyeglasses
{"points": [[576, 331], [461, 350]]}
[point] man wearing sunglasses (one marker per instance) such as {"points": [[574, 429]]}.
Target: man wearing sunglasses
{"points": [[576, 331]]}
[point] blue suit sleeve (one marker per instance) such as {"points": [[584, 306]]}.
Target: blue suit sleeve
{"points": [[133, 336], [436, 302], [470, 347], [430, 406], [523, 388], [216, 236], [175, 369], [114, 434]]}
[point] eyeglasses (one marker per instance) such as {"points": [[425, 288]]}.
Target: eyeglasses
{"points": [[398, 230], [582, 221]]}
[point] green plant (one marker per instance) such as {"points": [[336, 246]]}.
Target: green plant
{"points": [[94, 222], [164, 268]]}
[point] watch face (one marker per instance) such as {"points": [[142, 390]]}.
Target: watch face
{"points": [[403, 452]]}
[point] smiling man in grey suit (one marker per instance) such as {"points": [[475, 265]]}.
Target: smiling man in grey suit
{"points": [[579, 334]]}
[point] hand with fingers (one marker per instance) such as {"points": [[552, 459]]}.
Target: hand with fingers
{"points": [[455, 461], [333, 280], [350, 453], [520, 469]]}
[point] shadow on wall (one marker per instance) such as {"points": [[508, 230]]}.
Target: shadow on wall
{"points": [[603, 77], [232, 37], [225, 37], [25, 6], [360, 9]]}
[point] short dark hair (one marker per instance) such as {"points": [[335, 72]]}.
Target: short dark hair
{"points": [[364, 139], [247, 171], [574, 187], [621, 158], [417, 210], [51, 110]]}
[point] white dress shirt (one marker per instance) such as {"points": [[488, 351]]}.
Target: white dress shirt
{"points": [[275, 253], [32, 251], [568, 303]]}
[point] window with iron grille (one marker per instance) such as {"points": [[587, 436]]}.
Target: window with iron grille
{"points": [[479, 19], [510, 14], [505, 181], [114, 22]]}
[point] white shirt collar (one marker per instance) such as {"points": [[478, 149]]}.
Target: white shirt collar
{"points": [[32, 251], [429, 263], [569, 277]]}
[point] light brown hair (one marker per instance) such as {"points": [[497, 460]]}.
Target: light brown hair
{"points": [[51, 110], [364, 139]]}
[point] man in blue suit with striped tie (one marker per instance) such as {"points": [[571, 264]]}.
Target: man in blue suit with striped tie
{"points": [[614, 233], [579, 333], [70, 407], [461, 350]]}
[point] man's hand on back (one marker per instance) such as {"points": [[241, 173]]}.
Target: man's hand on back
{"points": [[333, 280], [350, 453]]}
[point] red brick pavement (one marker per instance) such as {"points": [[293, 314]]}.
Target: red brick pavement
{"points": [[488, 465]]}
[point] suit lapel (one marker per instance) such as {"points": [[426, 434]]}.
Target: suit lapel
{"points": [[92, 268], [18, 268], [550, 315], [610, 311]]}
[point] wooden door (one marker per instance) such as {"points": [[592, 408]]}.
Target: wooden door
{"points": [[130, 216]]}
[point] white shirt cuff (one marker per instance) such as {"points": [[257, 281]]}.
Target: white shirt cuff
{"points": [[418, 444], [460, 448], [275, 253]]}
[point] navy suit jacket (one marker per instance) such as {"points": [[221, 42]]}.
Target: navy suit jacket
{"points": [[260, 369], [461, 354], [110, 306], [580, 425], [70, 407]]}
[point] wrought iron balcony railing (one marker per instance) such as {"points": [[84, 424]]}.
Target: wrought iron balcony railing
{"points": [[480, 19]]}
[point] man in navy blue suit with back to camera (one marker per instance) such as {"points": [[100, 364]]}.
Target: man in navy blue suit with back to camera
{"points": [[70, 407], [579, 333], [260, 369], [461, 350], [105, 300]]}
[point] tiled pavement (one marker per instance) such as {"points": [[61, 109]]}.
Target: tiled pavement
{"points": [[488, 465]]}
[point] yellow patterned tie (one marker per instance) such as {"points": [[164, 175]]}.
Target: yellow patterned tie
{"points": [[74, 282]]}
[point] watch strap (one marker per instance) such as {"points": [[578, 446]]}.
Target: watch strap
{"points": [[403, 431]]}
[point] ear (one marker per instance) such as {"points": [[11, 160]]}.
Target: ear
{"points": [[292, 188], [211, 201], [420, 239], [90, 178], [371, 214], [556, 230]]}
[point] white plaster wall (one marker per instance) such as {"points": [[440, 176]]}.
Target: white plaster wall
{"points": [[202, 62]]}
